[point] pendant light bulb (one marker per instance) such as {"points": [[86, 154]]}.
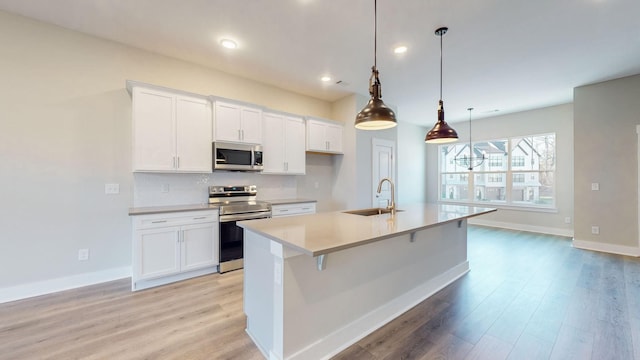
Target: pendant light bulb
{"points": [[375, 115], [441, 132]]}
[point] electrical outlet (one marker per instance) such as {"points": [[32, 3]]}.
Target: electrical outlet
{"points": [[111, 189], [83, 254], [595, 230], [595, 186], [567, 220], [164, 188]]}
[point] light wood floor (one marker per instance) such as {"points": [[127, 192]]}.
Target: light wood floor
{"points": [[528, 296]]}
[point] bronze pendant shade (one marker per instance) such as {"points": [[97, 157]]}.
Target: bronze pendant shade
{"points": [[375, 115], [441, 132]]}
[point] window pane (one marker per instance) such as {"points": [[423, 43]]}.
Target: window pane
{"points": [[454, 187], [490, 187], [452, 157], [535, 189], [495, 154], [533, 153]]}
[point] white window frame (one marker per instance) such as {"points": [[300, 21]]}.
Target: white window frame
{"points": [[508, 203]]}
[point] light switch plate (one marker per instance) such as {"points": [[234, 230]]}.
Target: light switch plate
{"points": [[595, 186], [595, 230], [111, 189], [83, 254]]}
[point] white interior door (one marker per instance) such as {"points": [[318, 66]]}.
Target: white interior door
{"points": [[383, 166]]}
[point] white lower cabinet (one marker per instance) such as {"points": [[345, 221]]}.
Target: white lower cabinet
{"points": [[293, 209], [170, 247]]}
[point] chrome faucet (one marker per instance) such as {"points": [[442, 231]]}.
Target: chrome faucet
{"points": [[392, 206]]}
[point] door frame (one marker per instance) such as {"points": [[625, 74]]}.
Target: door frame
{"points": [[374, 179]]}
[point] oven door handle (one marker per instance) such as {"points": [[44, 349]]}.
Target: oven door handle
{"points": [[240, 217]]}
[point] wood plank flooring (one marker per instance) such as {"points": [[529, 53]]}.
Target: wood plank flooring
{"points": [[528, 296]]}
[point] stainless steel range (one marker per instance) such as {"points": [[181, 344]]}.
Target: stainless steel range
{"points": [[237, 203]]}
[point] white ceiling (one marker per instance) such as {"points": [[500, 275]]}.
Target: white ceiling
{"points": [[509, 55]]}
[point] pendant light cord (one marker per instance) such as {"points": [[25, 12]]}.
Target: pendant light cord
{"points": [[470, 147], [375, 34], [441, 35]]}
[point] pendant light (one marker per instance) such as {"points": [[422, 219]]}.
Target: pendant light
{"points": [[376, 115], [471, 161], [441, 132]]}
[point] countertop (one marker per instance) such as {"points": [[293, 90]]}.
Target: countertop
{"points": [[290, 201], [323, 233], [205, 206], [173, 208]]}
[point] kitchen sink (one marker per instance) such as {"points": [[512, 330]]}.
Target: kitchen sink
{"points": [[369, 212]]}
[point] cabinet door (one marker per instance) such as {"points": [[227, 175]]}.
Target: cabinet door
{"points": [[157, 252], [334, 138], [295, 156], [316, 140], [154, 140], [227, 122], [273, 144], [251, 128], [193, 124], [199, 246]]}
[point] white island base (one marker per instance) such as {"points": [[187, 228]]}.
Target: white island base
{"points": [[296, 311]]}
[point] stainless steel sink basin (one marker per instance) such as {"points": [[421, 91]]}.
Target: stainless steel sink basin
{"points": [[369, 212]]}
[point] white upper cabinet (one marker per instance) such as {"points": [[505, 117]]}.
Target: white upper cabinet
{"points": [[283, 144], [237, 123], [171, 131], [324, 136]]}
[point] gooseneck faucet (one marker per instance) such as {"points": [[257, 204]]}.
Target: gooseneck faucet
{"points": [[392, 206]]}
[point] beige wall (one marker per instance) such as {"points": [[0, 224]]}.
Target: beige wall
{"points": [[558, 119], [66, 131], [606, 116]]}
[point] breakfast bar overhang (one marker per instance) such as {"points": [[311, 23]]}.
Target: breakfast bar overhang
{"points": [[315, 284]]}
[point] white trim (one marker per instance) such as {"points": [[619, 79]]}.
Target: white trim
{"points": [[638, 148], [521, 227], [348, 335], [608, 248], [38, 288]]}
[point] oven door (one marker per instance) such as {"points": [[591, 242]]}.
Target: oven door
{"points": [[232, 239]]}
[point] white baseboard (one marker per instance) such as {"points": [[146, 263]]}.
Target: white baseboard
{"points": [[64, 283], [521, 227], [608, 248], [344, 337]]}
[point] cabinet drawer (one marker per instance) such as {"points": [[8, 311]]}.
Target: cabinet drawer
{"points": [[175, 219], [293, 209]]}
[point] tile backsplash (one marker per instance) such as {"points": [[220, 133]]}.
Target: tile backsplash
{"points": [[151, 189]]}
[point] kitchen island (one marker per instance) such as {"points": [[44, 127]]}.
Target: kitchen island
{"points": [[315, 284]]}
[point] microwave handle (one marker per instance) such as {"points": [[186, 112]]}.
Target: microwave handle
{"points": [[253, 158]]}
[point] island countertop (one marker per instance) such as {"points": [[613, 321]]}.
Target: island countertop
{"points": [[324, 233]]}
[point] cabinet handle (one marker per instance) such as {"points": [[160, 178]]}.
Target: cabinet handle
{"points": [[239, 134], [284, 210], [200, 218], [159, 221], [174, 163], [286, 166], [242, 131], [178, 162]]}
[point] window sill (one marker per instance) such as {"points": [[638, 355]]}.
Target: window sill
{"points": [[504, 206]]}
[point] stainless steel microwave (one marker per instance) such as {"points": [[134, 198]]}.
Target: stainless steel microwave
{"points": [[237, 157]]}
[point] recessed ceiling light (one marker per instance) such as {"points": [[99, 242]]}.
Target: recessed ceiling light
{"points": [[325, 78], [229, 44], [400, 50]]}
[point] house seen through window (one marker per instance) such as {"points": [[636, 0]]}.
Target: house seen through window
{"points": [[518, 171]]}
